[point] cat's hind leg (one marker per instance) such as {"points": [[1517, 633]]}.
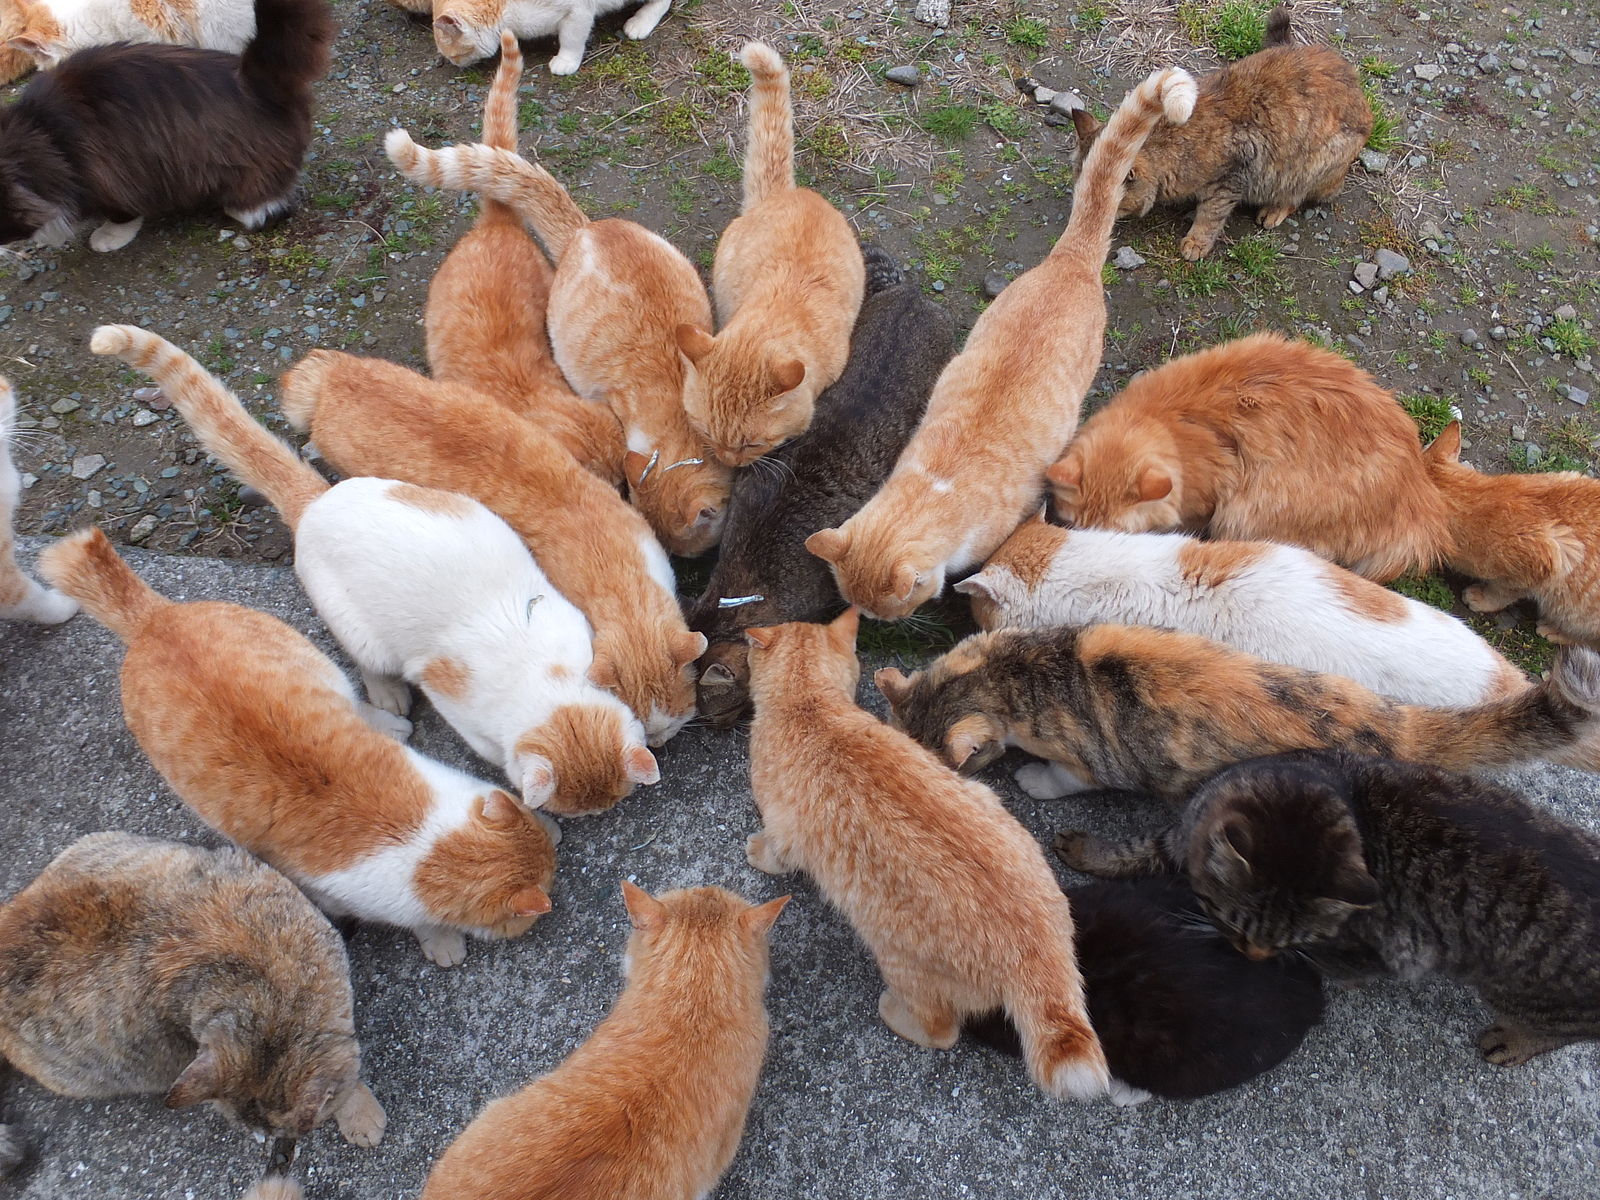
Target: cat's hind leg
{"points": [[1050, 781], [643, 23], [573, 36], [1272, 215], [388, 692], [927, 1022], [1490, 597], [1210, 215], [1110, 860], [361, 1118], [763, 854], [443, 946], [1508, 1044], [114, 235]]}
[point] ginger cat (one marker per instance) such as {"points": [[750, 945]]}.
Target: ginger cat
{"points": [[949, 892], [20, 597], [262, 736], [788, 278], [442, 595], [653, 1105], [467, 30], [1150, 710], [374, 418], [1007, 404], [487, 305], [1260, 439]]}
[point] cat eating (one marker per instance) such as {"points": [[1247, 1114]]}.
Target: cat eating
{"points": [[40, 33], [21, 598], [468, 30]]}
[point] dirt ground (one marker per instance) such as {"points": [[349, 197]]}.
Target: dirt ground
{"points": [[1486, 183]]}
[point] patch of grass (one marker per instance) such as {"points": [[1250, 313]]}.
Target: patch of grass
{"points": [[1092, 17], [719, 73], [1385, 135], [1573, 437], [1258, 257], [1199, 280], [1480, 376], [1378, 68], [828, 142], [1431, 413], [1233, 28], [1519, 643], [1550, 462], [675, 121], [931, 629], [1518, 196], [529, 112], [1570, 338], [723, 166], [1028, 33], [683, 196], [1005, 120], [1429, 589], [1109, 275], [950, 122]]}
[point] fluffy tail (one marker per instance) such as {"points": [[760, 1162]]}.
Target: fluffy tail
{"points": [[224, 428], [1168, 94], [769, 154], [883, 271], [85, 567], [301, 386], [1061, 1049], [292, 49], [500, 120], [1280, 28], [530, 191]]}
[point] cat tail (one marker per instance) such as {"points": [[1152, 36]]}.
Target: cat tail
{"points": [[1169, 95], [883, 272], [527, 188], [1280, 28], [769, 155], [86, 567], [500, 121], [225, 429], [292, 49], [1059, 1045]]}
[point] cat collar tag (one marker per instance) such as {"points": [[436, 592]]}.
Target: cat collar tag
{"points": [[738, 601], [655, 457], [683, 462]]}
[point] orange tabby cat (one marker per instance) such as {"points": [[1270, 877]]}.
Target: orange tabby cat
{"points": [[1260, 439], [1006, 405], [952, 896], [486, 311], [652, 1106], [788, 278], [371, 417]]}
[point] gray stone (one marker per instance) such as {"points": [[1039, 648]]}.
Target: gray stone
{"points": [[85, 466], [1381, 296], [63, 407], [1366, 274], [1519, 433], [933, 12], [1489, 64], [1577, 395], [1374, 161], [907, 76], [1430, 230], [250, 498], [1499, 333], [1534, 454], [1565, 313], [144, 417], [1066, 103], [1469, 337], [1355, 288], [1128, 259], [142, 529], [993, 284], [1427, 72], [1391, 264]]}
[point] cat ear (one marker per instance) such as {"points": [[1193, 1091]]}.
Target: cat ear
{"points": [[644, 910], [976, 585], [499, 810], [1154, 484], [603, 672], [640, 765], [29, 45], [201, 1081], [1066, 472], [828, 544], [447, 22], [759, 918], [1447, 446], [1040, 516], [531, 901], [716, 677], [694, 342], [761, 636], [633, 465], [1229, 844], [538, 780], [894, 685], [1083, 121], [904, 580], [966, 737], [687, 646], [788, 374], [313, 1096], [845, 627]]}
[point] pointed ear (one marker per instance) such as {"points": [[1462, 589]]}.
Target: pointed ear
{"points": [[717, 676], [633, 465], [603, 672], [499, 810], [894, 684], [201, 1081], [788, 374], [313, 1096], [1040, 516], [644, 910], [966, 737], [844, 628], [687, 646], [828, 544], [538, 781], [28, 44], [1066, 472], [448, 23], [1154, 484], [761, 636], [694, 342], [531, 901], [1447, 446], [759, 918], [640, 765], [975, 585], [903, 581], [1083, 121]]}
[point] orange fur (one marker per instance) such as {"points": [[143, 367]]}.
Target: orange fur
{"points": [[587, 741], [653, 1105]]}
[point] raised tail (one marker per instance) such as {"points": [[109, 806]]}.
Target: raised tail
{"points": [[769, 154], [500, 121], [526, 187], [86, 567], [301, 386], [225, 429], [1280, 28], [1169, 95], [292, 49]]}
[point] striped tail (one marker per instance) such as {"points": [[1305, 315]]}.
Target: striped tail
{"points": [[86, 567], [500, 120], [769, 155], [1167, 94], [228, 433], [302, 385]]}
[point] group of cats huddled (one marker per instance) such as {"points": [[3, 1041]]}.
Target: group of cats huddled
{"points": [[1204, 623]]}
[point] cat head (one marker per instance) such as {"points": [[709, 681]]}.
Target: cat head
{"points": [[878, 569], [723, 691], [1118, 473], [705, 935], [741, 400], [32, 31], [583, 758], [1275, 856], [1151, 166], [655, 679], [801, 650], [462, 34], [1013, 571], [686, 502], [492, 873], [947, 708]]}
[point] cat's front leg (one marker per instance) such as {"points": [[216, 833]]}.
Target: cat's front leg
{"points": [[388, 692], [1110, 860], [1050, 781], [643, 23], [384, 722], [361, 1118], [446, 947], [114, 235], [1210, 215], [762, 853], [573, 36]]}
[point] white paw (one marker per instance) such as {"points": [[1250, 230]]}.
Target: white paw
{"points": [[386, 723], [54, 235], [1124, 1096], [1047, 781], [111, 236], [550, 827], [44, 605], [445, 947], [565, 64], [389, 693], [641, 25]]}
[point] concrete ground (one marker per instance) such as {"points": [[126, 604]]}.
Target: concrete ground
{"points": [[1387, 1099]]}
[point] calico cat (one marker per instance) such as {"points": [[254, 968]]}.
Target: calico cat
{"points": [[487, 305], [1180, 1013], [441, 594], [1364, 868], [123, 132], [374, 418], [468, 30], [1260, 439], [653, 1105], [1006, 405], [1524, 536], [788, 279], [263, 737], [40, 33], [1119, 706], [20, 597], [1271, 131], [900, 344], [952, 896], [132, 965]]}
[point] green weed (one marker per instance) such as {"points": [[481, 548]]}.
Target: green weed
{"points": [[1028, 33], [1569, 337], [950, 122]]}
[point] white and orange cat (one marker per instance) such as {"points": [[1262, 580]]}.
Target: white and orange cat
{"points": [[468, 30], [40, 33], [263, 737], [1004, 407], [949, 892], [21, 598], [653, 1105]]}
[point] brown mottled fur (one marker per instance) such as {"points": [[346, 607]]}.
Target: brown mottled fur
{"points": [[952, 896], [1260, 439], [653, 1105]]}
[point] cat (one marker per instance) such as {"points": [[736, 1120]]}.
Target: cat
{"points": [[1533, 536], [788, 279], [1365, 868], [1271, 131], [486, 310], [468, 30], [20, 597], [123, 132], [370, 417], [952, 896], [132, 965], [1120, 706], [653, 1105], [900, 343], [1180, 1013], [1260, 439], [430, 588], [618, 293], [1004, 407], [263, 737], [40, 33]]}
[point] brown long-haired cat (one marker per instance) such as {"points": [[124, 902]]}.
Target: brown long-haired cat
{"points": [[262, 736], [1260, 439], [1006, 405], [1271, 132], [788, 279], [371, 417], [1525, 536], [1134, 708], [652, 1106], [950, 893], [486, 311]]}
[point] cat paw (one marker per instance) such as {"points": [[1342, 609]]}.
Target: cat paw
{"points": [[388, 692], [550, 827], [1553, 635], [386, 723], [759, 853], [361, 1118], [1508, 1046], [1481, 597], [1125, 1096], [565, 64], [897, 1015], [1079, 850], [1047, 781], [444, 947], [114, 236], [1197, 246], [1271, 218], [44, 605], [643, 23]]}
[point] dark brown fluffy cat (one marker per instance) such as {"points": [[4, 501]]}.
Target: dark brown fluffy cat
{"points": [[1368, 868]]}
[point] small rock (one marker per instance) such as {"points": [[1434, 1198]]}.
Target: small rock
{"points": [[94, 499], [1355, 288], [85, 465], [933, 12], [144, 417], [142, 529], [1366, 274], [993, 284], [1066, 103], [1577, 395], [1498, 333], [1534, 454], [1430, 231], [1381, 296], [1128, 259], [63, 407], [250, 498], [1469, 337], [1488, 64], [1427, 72], [1519, 433], [1565, 313], [906, 76], [938, 285], [28, 480], [1391, 264], [1375, 162]]}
